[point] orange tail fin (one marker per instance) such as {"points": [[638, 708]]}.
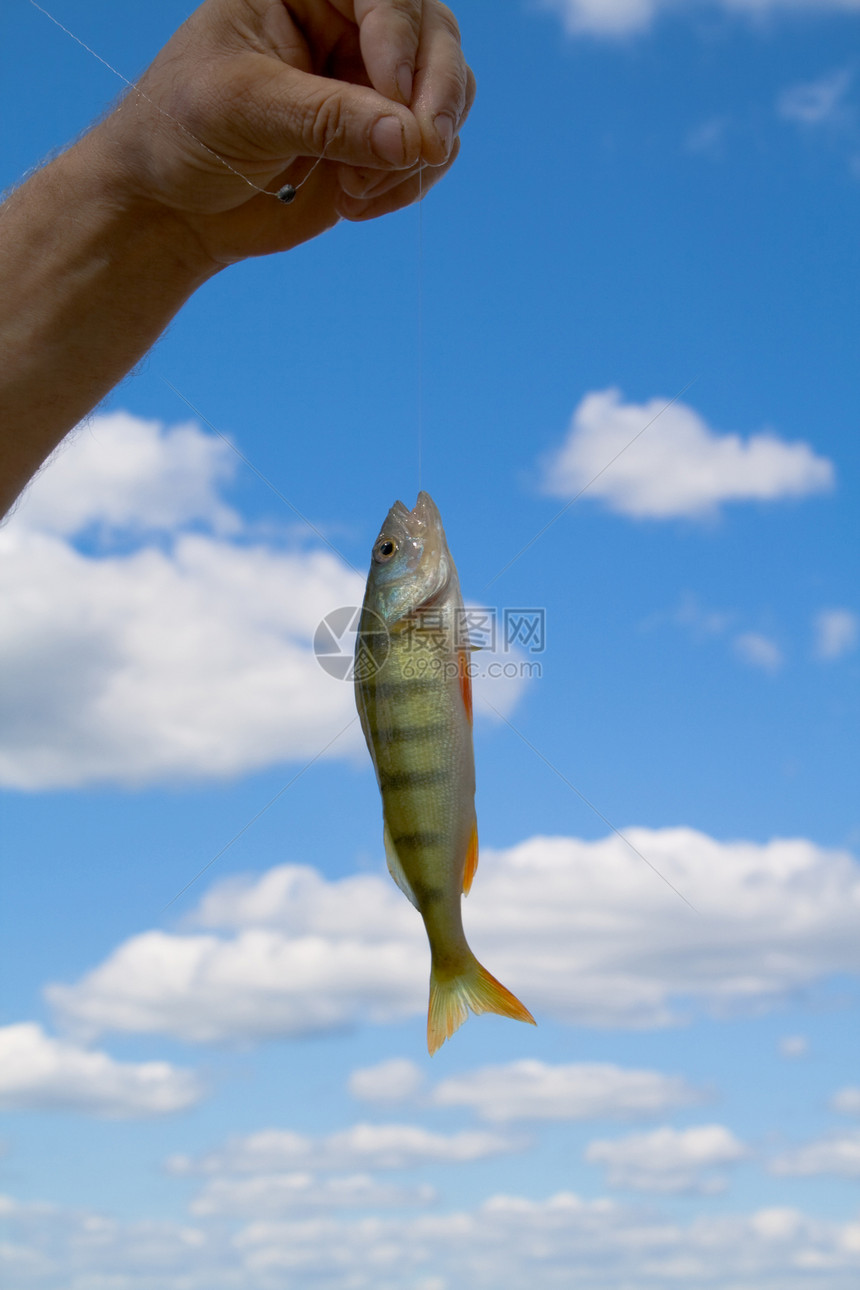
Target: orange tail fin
{"points": [[472, 990]]}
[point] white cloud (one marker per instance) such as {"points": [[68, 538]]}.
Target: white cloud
{"points": [[837, 632], [397, 1080], [143, 667], [702, 624], [504, 1244], [707, 138], [847, 1101], [309, 955], [274, 1171], [56, 1248], [838, 1155], [176, 645], [676, 467], [616, 18], [758, 651], [178, 653], [669, 1160], [583, 931], [117, 471], [257, 985], [794, 1046], [509, 1242], [604, 17], [38, 1073], [534, 1090], [816, 102], [274, 1194], [360, 1147]]}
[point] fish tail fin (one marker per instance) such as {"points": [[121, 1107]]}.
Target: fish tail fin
{"points": [[472, 989]]}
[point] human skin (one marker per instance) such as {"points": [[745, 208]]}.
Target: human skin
{"points": [[100, 248]]}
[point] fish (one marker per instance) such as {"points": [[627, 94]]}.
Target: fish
{"points": [[413, 690]]}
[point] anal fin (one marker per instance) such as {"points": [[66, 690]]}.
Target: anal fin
{"points": [[395, 868], [471, 859]]}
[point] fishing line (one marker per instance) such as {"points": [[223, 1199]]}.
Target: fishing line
{"points": [[420, 318], [285, 194]]}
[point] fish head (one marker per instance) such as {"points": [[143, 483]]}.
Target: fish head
{"points": [[410, 563]]}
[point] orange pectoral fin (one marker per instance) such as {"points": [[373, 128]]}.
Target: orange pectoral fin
{"points": [[465, 681], [471, 860]]}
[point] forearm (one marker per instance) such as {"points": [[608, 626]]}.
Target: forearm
{"points": [[88, 281], [100, 249]]}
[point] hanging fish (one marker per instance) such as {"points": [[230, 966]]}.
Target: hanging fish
{"points": [[414, 697]]}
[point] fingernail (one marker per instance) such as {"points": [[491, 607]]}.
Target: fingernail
{"points": [[445, 129], [404, 81], [387, 139]]}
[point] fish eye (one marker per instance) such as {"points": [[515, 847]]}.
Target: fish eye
{"points": [[384, 549]]}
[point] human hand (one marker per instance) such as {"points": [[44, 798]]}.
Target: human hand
{"points": [[378, 88]]}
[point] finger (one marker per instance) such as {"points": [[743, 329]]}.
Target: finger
{"points": [[389, 33], [365, 183], [402, 194], [444, 87], [289, 113]]}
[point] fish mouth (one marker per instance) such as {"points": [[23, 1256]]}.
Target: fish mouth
{"points": [[423, 520], [426, 512], [425, 523], [422, 572], [422, 526], [425, 515]]}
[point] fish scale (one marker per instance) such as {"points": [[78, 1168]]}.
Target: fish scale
{"points": [[413, 693]]}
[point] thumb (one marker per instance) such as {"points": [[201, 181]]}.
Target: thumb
{"points": [[312, 116]]}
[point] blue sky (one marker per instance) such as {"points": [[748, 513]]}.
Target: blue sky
{"points": [[654, 220]]}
